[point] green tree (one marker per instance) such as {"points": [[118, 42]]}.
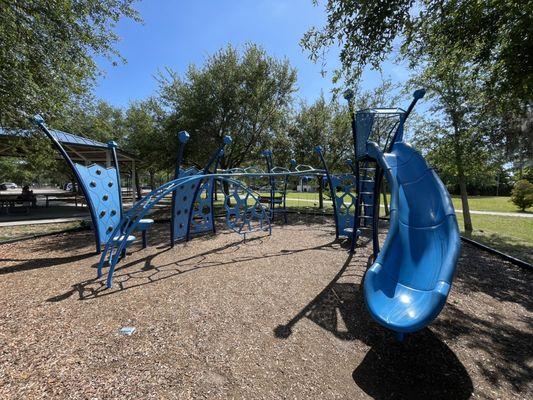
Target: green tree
{"points": [[147, 138], [243, 95], [494, 36], [489, 39], [36, 166], [458, 139], [96, 120], [522, 195], [47, 52], [325, 124]]}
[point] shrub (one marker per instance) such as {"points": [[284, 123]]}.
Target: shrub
{"points": [[522, 194]]}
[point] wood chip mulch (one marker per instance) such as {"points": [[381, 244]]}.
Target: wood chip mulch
{"points": [[276, 317]]}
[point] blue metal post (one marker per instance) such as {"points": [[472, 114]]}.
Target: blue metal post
{"points": [[349, 95], [183, 138], [319, 151]]}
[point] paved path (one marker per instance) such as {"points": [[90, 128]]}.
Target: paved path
{"points": [[497, 213], [42, 221]]}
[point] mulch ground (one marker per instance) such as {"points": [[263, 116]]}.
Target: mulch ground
{"points": [[279, 316]]}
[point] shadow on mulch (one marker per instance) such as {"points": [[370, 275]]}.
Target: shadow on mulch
{"points": [[478, 272], [38, 263], [93, 288], [421, 367], [505, 244], [424, 366]]}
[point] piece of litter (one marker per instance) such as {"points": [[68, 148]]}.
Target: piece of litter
{"points": [[127, 330]]}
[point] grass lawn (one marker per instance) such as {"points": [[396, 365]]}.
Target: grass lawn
{"points": [[13, 232], [510, 235], [489, 203], [477, 203]]}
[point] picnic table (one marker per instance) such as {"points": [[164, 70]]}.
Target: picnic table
{"points": [[8, 202], [10, 199]]}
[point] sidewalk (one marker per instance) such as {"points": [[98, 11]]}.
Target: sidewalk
{"points": [[42, 221]]}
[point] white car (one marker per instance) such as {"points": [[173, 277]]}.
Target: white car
{"points": [[8, 185]]}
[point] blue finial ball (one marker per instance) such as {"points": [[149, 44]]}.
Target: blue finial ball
{"points": [[228, 139], [348, 94], [183, 137], [318, 149], [293, 162], [418, 94], [38, 119], [349, 162], [112, 144]]}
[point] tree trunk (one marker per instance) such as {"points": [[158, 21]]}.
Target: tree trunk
{"points": [[464, 202], [152, 180], [385, 202], [321, 193], [138, 187], [461, 179], [462, 184], [225, 189]]}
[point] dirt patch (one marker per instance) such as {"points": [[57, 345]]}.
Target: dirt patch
{"points": [[279, 316]]}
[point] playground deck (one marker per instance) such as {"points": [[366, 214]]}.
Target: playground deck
{"points": [[279, 316]]}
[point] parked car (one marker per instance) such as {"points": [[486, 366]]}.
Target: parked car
{"points": [[71, 187], [8, 185]]}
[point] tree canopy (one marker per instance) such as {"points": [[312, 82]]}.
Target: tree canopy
{"points": [[47, 52], [245, 96], [495, 37]]}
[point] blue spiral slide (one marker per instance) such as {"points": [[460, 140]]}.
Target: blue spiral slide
{"points": [[407, 286]]}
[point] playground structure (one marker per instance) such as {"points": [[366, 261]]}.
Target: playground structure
{"points": [[343, 194], [408, 284], [192, 207], [102, 189], [410, 278], [277, 198]]}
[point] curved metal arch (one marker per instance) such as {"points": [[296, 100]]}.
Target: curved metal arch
{"points": [[39, 120], [320, 152], [119, 238]]}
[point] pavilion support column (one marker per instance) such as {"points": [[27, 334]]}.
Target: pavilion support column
{"points": [[135, 187]]}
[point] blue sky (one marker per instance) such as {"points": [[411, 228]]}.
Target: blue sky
{"points": [[178, 33]]}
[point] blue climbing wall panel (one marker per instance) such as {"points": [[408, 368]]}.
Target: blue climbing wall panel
{"points": [[345, 198], [202, 218], [201, 207], [101, 186]]}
